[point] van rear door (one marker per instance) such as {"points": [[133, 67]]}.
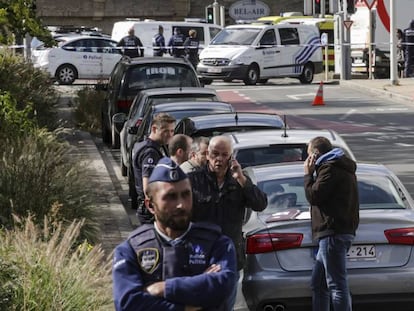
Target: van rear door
{"points": [[292, 53]]}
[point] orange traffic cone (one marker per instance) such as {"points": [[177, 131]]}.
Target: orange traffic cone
{"points": [[318, 100]]}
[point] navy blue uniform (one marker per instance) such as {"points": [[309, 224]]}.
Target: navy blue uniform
{"points": [[176, 45], [409, 50], [145, 155], [132, 46], [146, 258], [158, 42], [191, 49]]}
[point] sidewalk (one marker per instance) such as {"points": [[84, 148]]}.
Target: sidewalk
{"points": [[402, 92], [113, 220]]}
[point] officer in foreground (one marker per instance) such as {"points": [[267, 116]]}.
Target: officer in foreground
{"points": [[173, 264]]}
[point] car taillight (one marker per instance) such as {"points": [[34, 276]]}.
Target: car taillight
{"points": [[265, 243], [124, 103], [400, 236]]}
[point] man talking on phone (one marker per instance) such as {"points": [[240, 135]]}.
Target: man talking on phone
{"points": [[332, 191], [222, 194]]}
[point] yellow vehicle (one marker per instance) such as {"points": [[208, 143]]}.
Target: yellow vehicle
{"points": [[324, 24]]}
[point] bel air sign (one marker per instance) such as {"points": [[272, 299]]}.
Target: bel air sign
{"points": [[248, 10]]}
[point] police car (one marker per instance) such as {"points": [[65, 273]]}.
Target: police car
{"points": [[78, 57]]}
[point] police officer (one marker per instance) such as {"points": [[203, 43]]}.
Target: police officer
{"points": [[176, 44], [132, 45], [191, 48], [409, 50], [158, 42], [173, 264], [145, 155], [222, 194]]}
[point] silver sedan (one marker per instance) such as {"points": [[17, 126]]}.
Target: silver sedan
{"points": [[280, 250]]}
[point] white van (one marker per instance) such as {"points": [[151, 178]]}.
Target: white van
{"points": [[147, 29], [256, 52]]}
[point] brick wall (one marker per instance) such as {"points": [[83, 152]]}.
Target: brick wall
{"points": [[103, 13]]}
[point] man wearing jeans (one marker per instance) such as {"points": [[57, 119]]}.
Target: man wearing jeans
{"points": [[333, 195]]}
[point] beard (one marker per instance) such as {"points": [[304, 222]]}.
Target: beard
{"points": [[178, 221]]}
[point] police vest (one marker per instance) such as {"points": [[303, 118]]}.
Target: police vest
{"points": [[159, 260]]}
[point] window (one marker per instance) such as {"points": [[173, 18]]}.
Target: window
{"points": [[289, 36], [268, 38]]}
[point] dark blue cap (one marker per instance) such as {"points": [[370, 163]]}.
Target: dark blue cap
{"points": [[168, 171]]}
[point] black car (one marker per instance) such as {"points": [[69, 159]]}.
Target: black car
{"points": [[177, 110], [211, 125], [130, 76]]}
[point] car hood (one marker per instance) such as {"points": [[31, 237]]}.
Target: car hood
{"points": [[223, 51]]}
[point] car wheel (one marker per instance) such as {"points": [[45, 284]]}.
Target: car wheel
{"points": [[263, 81], [307, 74], [115, 138], [66, 74], [252, 75], [124, 169]]}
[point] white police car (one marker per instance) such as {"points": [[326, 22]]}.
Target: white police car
{"points": [[78, 57]]}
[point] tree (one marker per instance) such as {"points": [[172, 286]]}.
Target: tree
{"points": [[18, 17]]}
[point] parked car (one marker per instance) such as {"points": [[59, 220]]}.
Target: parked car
{"points": [[150, 97], [130, 76], [78, 57], [274, 146], [211, 125], [280, 251], [131, 132], [177, 110]]}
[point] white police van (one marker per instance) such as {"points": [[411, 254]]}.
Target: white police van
{"points": [[145, 30], [256, 52]]}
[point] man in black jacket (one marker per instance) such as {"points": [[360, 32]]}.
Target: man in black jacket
{"points": [[222, 194], [333, 196]]}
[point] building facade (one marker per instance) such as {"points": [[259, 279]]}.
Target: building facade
{"points": [[103, 13]]}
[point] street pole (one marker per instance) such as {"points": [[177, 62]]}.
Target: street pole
{"points": [[216, 13], [370, 44], [393, 47]]}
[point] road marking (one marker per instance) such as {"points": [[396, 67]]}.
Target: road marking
{"points": [[298, 96], [350, 112]]}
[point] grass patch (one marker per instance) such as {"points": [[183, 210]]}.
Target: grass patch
{"points": [[88, 109], [45, 268]]}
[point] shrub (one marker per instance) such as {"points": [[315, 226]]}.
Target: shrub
{"points": [[46, 269], [28, 86], [38, 176], [88, 109]]}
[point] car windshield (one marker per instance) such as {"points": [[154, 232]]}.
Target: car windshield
{"points": [[160, 75], [288, 195], [236, 36], [273, 154]]}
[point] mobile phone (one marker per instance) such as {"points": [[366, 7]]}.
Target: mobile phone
{"points": [[231, 163]]}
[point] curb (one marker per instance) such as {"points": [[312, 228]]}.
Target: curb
{"points": [[378, 90]]}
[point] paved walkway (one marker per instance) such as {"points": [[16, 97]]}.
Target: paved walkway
{"points": [[402, 91], [114, 221]]}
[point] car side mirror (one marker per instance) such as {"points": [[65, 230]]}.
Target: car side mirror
{"points": [[133, 130]]}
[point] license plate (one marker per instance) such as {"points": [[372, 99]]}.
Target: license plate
{"points": [[214, 70], [357, 252], [362, 251]]}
